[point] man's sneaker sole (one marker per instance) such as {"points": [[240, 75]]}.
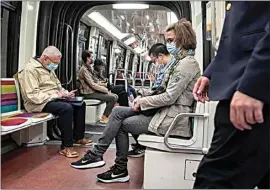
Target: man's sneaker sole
{"points": [[83, 145], [91, 165], [116, 180]]}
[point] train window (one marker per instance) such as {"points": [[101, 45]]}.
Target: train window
{"points": [[10, 36], [83, 42]]}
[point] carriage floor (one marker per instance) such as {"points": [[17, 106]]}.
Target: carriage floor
{"points": [[42, 167]]}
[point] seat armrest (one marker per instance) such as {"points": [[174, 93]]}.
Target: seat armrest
{"points": [[181, 115]]}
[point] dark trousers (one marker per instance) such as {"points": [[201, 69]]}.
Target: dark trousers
{"points": [[122, 94], [236, 159], [67, 115]]}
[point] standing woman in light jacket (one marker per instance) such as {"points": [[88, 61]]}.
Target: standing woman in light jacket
{"points": [[178, 82]]}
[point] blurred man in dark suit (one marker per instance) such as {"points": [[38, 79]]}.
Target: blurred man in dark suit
{"points": [[238, 78]]}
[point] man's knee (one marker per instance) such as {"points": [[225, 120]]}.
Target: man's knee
{"points": [[66, 107], [113, 98], [83, 104], [118, 111]]}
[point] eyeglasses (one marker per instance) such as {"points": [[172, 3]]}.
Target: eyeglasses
{"points": [[52, 60], [170, 40]]}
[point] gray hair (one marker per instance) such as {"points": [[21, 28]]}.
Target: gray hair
{"points": [[52, 51]]}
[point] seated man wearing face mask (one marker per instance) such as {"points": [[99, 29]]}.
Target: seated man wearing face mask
{"points": [[40, 90]]}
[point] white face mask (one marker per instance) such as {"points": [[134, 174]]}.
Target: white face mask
{"points": [[52, 66]]}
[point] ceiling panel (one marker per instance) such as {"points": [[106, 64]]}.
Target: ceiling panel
{"points": [[148, 24]]}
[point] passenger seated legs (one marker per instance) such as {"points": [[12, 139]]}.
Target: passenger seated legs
{"points": [[64, 111], [79, 125], [110, 100], [137, 124], [137, 149], [93, 158]]}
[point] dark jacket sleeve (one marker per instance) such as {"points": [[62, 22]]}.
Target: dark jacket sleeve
{"points": [[255, 80], [208, 70]]}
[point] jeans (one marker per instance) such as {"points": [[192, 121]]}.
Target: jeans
{"points": [[67, 115], [122, 121]]}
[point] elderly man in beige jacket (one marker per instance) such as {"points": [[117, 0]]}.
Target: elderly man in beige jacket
{"points": [[40, 89]]}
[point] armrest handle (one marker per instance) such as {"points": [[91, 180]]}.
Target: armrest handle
{"points": [[166, 137]]}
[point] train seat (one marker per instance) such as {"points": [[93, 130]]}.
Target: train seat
{"points": [[13, 118], [199, 119], [175, 155], [94, 110]]}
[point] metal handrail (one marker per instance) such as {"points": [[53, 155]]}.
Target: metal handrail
{"points": [[72, 35], [213, 20], [166, 137]]}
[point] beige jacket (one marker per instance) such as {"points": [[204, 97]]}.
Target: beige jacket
{"points": [[38, 86], [88, 83], [177, 99]]}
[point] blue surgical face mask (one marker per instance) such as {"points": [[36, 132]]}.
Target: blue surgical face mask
{"points": [[172, 49], [52, 66]]}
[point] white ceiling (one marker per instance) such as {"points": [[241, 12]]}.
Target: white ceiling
{"points": [[148, 24]]}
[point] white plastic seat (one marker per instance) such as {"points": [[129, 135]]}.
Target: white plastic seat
{"points": [[176, 158], [194, 145], [94, 110]]}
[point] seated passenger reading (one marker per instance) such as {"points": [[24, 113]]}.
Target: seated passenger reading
{"points": [[40, 90]]}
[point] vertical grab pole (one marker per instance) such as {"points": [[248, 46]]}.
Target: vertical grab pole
{"points": [[67, 35], [213, 32]]}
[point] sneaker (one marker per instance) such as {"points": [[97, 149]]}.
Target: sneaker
{"points": [[104, 119], [83, 142], [134, 145], [68, 152], [88, 161], [136, 152], [114, 174]]}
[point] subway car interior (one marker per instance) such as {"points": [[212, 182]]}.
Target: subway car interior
{"points": [[120, 34]]}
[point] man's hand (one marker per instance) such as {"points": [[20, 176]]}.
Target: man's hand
{"points": [[60, 94], [152, 78], [136, 99], [200, 90], [136, 107], [245, 110], [70, 94]]}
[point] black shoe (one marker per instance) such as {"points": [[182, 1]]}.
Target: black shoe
{"points": [[88, 161], [134, 145], [114, 174], [137, 152]]}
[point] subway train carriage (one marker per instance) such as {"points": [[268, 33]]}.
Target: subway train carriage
{"points": [[74, 79]]}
